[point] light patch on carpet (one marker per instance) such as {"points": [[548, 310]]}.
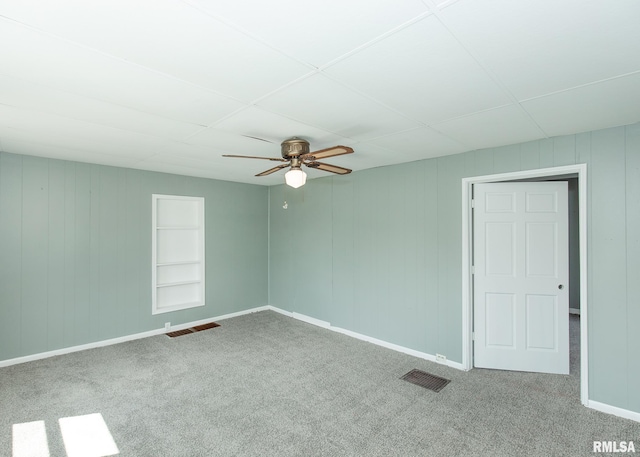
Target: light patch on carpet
{"points": [[30, 440], [87, 436]]}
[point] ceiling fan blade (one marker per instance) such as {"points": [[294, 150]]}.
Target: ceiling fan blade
{"points": [[276, 159], [328, 152], [329, 168], [273, 170]]}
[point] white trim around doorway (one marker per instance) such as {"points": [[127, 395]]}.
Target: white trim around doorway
{"points": [[467, 294]]}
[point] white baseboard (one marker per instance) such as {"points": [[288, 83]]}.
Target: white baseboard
{"points": [[432, 358], [603, 407], [123, 339], [174, 328], [301, 317], [394, 347], [280, 311], [398, 348], [311, 320], [82, 347]]}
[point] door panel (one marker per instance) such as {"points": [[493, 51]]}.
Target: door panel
{"points": [[541, 322], [521, 306], [500, 320], [501, 261], [542, 262]]}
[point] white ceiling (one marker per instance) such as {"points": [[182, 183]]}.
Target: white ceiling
{"points": [[171, 85]]}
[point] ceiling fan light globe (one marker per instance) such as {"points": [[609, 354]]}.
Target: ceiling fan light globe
{"points": [[295, 178]]}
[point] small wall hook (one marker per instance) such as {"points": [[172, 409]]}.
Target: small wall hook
{"points": [[285, 206]]}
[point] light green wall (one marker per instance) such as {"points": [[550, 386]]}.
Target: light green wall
{"points": [[75, 251], [378, 252]]}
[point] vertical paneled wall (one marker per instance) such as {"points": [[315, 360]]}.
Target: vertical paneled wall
{"points": [[378, 252], [75, 251], [631, 324]]}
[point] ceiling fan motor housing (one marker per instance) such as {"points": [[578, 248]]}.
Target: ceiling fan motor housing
{"points": [[294, 147]]}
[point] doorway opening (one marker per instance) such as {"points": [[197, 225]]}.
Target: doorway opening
{"points": [[579, 172]]}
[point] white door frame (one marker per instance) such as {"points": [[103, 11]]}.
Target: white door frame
{"points": [[467, 230]]}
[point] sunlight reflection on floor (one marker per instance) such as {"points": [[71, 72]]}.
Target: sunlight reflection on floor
{"points": [[30, 440], [87, 436], [83, 436]]}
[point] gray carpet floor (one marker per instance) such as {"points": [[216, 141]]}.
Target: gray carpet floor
{"points": [[267, 385]]}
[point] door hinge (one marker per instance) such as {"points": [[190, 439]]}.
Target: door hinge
{"points": [[473, 336], [473, 202], [473, 269]]}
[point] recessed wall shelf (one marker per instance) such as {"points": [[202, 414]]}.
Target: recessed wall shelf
{"points": [[178, 253], [186, 262], [177, 283], [177, 228]]}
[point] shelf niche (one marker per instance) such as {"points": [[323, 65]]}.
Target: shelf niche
{"points": [[178, 253]]}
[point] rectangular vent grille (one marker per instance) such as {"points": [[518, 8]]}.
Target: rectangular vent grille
{"points": [[197, 328], [426, 380], [179, 333]]}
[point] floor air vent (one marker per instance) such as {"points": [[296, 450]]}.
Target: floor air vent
{"points": [[426, 380], [197, 328]]}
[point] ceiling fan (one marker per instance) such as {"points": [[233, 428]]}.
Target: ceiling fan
{"points": [[295, 152]]}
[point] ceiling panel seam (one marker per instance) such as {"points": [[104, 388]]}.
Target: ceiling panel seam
{"points": [[489, 72], [579, 86], [238, 28], [119, 59], [377, 39]]}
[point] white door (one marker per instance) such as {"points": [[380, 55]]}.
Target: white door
{"points": [[521, 273]]}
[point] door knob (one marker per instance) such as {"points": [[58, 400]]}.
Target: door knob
{"points": [[560, 286]]}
